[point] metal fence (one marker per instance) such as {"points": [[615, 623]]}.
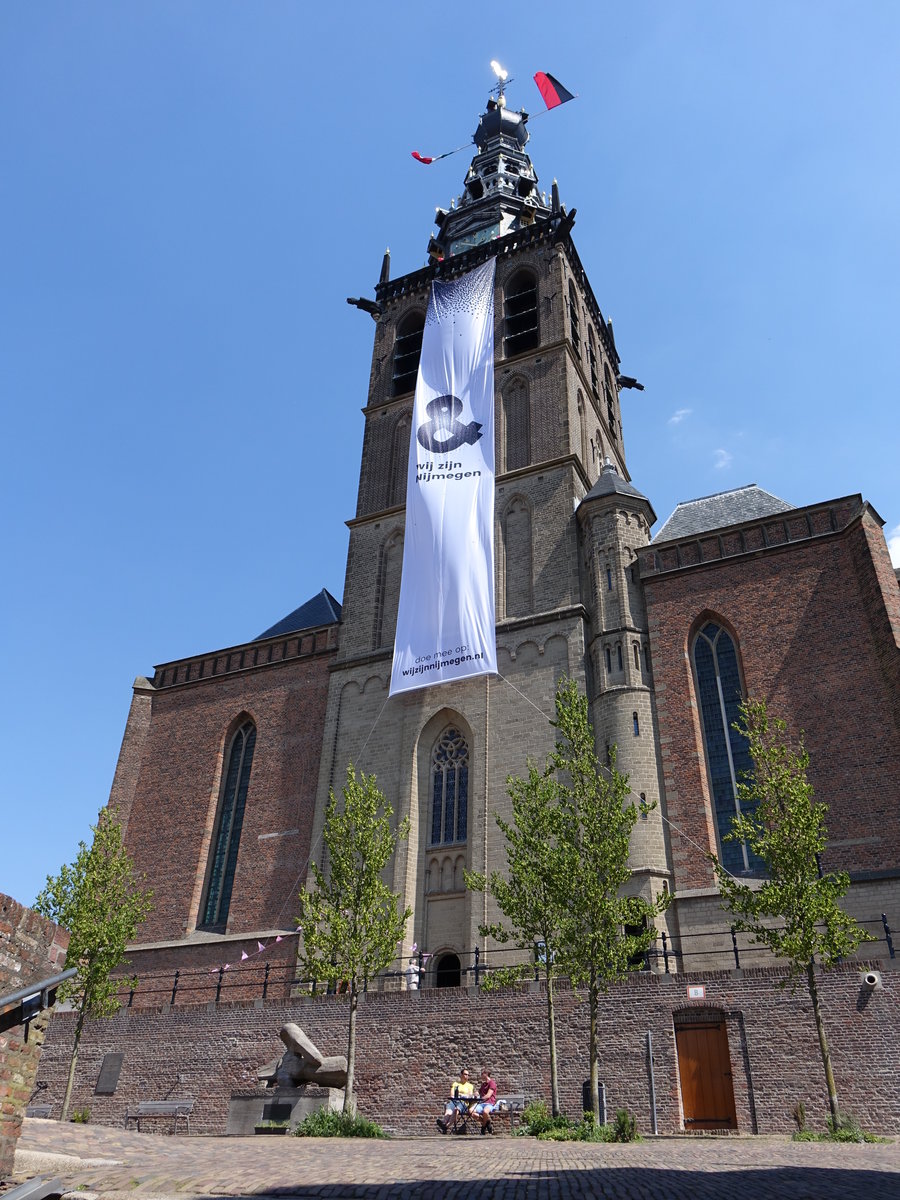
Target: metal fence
{"points": [[718, 949]]}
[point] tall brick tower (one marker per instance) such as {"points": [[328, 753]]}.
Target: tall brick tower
{"points": [[568, 528]]}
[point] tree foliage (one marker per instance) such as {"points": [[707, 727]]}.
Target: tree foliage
{"points": [[100, 900], [604, 932], [532, 897], [350, 920], [795, 910], [567, 859]]}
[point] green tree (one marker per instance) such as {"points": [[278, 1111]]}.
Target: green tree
{"points": [[533, 897], [99, 899], [785, 827], [350, 919], [596, 950]]}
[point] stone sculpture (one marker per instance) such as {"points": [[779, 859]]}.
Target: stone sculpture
{"points": [[303, 1063]]}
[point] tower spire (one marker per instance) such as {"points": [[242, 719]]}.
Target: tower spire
{"points": [[500, 192]]}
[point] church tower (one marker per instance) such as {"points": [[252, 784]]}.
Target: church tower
{"points": [[568, 526]]}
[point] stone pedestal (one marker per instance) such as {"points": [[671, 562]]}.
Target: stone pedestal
{"points": [[248, 1109]]}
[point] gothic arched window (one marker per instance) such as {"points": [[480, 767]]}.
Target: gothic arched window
{"points": [[449, 788], [585, 440], [387, 593], [609, 390], [407, 350], [399, 461], [727, 751], [228, 828], [520, 313], [516, 425], [517, 559], [574, 320], [592, 361]]}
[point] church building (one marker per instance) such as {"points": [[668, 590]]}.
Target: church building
{"points": [[229, 755]]}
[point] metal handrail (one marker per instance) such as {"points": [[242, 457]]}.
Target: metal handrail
{"points": [[43, 986]]}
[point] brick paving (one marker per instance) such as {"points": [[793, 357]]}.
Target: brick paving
{"points": [[146, 1165]]}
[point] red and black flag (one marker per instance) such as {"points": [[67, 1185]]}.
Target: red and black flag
{"points": [[552, 90]]}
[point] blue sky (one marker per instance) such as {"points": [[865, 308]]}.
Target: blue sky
{"points": [[191, 190]]}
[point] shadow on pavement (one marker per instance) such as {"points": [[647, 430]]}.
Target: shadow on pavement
{"points": [[628, 1183]]}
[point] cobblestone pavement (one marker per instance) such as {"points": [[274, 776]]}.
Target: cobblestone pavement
{"points": [[146, 1165]]}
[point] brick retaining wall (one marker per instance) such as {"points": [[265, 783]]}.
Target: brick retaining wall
{"points": [[412, 1043], [31, 949]]}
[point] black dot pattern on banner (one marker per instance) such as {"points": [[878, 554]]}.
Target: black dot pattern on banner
{"points": [[471, 293]]}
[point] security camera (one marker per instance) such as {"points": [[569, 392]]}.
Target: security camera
{"points": [[871, 979]]}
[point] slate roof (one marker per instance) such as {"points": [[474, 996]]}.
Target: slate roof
{"points": [[322, 609], [747, 503], [611, 483]]}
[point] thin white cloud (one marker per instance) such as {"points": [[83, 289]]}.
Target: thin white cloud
{"points": [[723, 459], [893, 541], [678, 416]]}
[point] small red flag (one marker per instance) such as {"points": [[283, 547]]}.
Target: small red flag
{"points": [[421, 158], [552, 90]]}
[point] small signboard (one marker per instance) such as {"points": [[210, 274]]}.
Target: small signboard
{"points": [[696, 991]]}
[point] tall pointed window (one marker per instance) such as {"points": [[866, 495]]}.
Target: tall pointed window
{"points": [[574, 320], [592, 361], [449, 788], [727, 751], [228, 829], [517, 560], [609, 390], [520, 312], [407, 351], [516, 425], [399, 461], [387, 590]]}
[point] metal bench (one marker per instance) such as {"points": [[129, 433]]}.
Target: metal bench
{"points": [[509, 1109], [38, 1110], [161, 1108]]}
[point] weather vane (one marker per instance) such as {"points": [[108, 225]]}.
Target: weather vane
{"points": [[500, 86]]}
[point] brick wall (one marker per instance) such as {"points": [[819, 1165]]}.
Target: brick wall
{"points": [[814, 622], [411, 1044], [174, 784], [31, 949]]}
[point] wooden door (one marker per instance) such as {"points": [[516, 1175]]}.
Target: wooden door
{"points": [[704, 1066]]}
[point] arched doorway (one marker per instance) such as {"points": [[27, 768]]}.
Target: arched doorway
{"points": [[448, 972]]}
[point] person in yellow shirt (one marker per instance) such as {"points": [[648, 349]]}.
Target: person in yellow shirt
{"points": [[462, 1095]]}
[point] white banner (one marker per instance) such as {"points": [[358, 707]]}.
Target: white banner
{"points": [[445, 621]]}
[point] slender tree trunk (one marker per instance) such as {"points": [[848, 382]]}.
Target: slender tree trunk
{"points": [[595, 1074], [551, 1030], [349, 1105], [70, 1081], [823, 1046]]}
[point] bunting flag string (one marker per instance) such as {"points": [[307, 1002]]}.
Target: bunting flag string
{"points": [[261, 948], [426, 160]]}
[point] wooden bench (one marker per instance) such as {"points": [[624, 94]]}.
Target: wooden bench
{"points": [[39, 1110], [161, 1108]]}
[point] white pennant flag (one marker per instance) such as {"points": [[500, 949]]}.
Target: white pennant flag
{"points": [[445, 619]]}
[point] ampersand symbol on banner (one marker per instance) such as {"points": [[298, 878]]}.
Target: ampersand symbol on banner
{"points": [[444, 432]]}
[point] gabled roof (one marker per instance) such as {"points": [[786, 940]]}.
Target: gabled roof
{"points": [[322, 609], [747, 503]]}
